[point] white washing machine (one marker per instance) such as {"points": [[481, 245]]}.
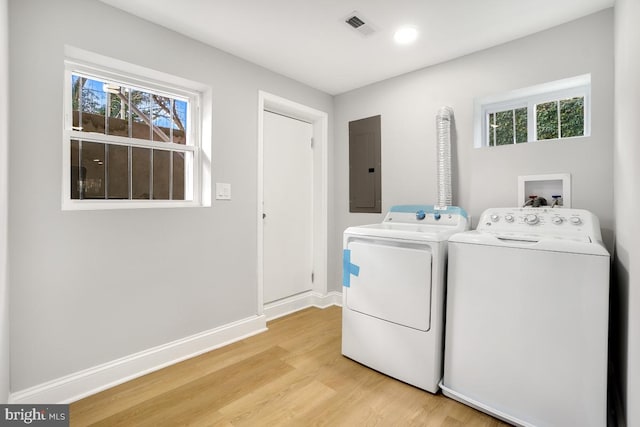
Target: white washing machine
{"points": [[393, 292], [527, 317]]}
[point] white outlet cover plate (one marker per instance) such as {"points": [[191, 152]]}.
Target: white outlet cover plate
{"points": [[223, 191]]}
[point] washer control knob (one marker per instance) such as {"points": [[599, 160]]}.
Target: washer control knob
{"points": [[508, 218], [420, 215], [575, 220], [557, 220], [495, 218], [437, 216], [531, 219]]}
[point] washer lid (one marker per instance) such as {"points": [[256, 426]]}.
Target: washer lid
{"points": [[539, 242]]}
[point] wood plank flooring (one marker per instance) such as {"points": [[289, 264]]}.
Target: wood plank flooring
{"points": [[291, 375]]}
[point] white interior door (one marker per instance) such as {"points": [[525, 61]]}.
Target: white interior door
{"points": [[288, 196]]}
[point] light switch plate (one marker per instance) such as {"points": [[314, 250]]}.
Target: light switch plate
{"points": [[223, 191]]}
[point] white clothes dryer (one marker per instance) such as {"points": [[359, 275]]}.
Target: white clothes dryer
{"points": [[527, 317], [393, 292]]}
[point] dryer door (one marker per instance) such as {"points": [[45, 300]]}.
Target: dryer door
{"points": [[394, 281]]}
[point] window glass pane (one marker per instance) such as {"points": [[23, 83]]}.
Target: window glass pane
{"points": [[563, 113], [117, 172], [504, 127], [129, 112], [92, 165], [521, 125], [572, 117], [112, 168], [161, 174], [547, 120], [140, 172], [179, 121], [118, 111], [77, 174], [162, 118], [178, 175], [89, 104], [76, 91], [140, 114]]}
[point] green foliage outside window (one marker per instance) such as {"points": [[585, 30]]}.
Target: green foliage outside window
{"points": [[521, 125], [547, 120], [510, 126], [572, 117], [504, 127]]}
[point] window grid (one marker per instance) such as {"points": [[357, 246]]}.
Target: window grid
{"points": [[568, 100], [165, 110], [187, 156], [532, 131], [561, 123], [106, 171], [493, 126], [106, 177], [513, 123]]}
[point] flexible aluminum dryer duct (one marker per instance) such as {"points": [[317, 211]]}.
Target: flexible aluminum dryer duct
{"points": [[443, 125]]}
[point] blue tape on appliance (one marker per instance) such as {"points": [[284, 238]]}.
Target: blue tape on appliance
{"points": [[348, 268]]}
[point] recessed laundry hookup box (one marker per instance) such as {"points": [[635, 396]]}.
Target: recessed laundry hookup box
{"points": [[545, 186]]}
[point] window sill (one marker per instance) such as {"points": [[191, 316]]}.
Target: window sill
{"points": [[560, 140], [94, 205]]}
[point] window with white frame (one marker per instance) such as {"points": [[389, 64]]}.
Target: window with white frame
{"points": [[130, 140], [555, 110]]}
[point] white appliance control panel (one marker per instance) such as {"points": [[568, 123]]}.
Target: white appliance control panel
{"points": [[426, 215], [574, 224]]}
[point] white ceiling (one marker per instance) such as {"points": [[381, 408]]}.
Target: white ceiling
{"points": [[309, 41]]}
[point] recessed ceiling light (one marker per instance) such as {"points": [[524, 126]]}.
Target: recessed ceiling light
{"points": [[406, 35]]}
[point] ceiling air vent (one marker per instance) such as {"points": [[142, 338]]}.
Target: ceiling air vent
{"points": [[356, 21]]}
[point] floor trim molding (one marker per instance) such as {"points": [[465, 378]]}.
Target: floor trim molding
{"points": [[83, 383], [301, 301]]}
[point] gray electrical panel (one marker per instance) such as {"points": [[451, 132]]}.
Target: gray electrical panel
{"points": [[365, 165]]}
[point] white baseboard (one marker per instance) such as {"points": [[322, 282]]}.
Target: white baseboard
{"points": [[90, 381], [84, 383], [301, 301]]}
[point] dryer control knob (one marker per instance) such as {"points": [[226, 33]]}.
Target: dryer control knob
{"points": [[508, 218], [557, 220], [420, 215], [531, 219], [495, 218], [575, 220]]}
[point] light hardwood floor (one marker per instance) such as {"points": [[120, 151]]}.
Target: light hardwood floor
{"points": [[291, 375]]}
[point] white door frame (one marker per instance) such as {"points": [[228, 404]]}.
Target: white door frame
{"points": [[320, 122]]}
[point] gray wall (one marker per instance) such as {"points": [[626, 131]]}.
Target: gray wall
{"points": [[4, 175], [485, 177], [89, 287], [626, 290]]}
